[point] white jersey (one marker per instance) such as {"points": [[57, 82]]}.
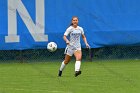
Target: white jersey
{"points": [[74, 34]]}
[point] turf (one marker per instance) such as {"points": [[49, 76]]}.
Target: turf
{"points": [[110, 76]]}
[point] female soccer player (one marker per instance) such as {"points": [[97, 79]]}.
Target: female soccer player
{"points": [[73, 46]]}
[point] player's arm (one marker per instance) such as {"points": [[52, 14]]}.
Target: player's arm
{"points": [[66, 40], [67, 32], [85, 40]]}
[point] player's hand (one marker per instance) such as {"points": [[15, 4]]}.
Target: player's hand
{"points": [[87, 46]]}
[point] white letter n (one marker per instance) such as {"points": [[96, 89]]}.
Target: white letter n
{"points": [[37, 30]]}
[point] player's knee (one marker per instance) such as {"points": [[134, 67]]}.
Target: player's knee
{"points": [[66, 61], [78, 59]]}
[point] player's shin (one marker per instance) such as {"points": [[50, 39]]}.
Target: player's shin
{"points": [[62, 66], [77, 65], [77, 68], [61, 69]]}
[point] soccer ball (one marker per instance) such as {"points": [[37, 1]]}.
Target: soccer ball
{"points": [[52, 46]]}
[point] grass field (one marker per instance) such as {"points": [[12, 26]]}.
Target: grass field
{"points": [[112, 76]]}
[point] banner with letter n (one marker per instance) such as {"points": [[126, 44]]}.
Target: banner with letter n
{"points": [[32, 24]]}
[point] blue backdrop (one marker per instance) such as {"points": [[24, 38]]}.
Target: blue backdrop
{"points": [[105, 22]]}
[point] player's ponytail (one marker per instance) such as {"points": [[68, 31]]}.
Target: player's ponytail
{"points": [[71, 24]]}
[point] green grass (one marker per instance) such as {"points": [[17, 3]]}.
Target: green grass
{"points": [[113, 76]]}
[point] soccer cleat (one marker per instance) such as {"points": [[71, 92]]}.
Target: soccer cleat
{"points": [[77, 73], [60, 73]]}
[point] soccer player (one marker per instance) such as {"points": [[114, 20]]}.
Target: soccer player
{"points": [[73, 46]]}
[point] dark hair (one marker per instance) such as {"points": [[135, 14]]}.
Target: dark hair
{"points": [[71, 24], [72, 19]]}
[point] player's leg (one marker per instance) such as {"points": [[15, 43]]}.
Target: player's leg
{"points": [[78, 56], [68, 55], [64, 63]]}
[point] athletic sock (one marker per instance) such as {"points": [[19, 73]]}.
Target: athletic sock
{"points": [[77, 65], [62, 66]]}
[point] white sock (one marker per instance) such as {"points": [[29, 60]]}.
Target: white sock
{"points": [[62, 66], [77, 65]]}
